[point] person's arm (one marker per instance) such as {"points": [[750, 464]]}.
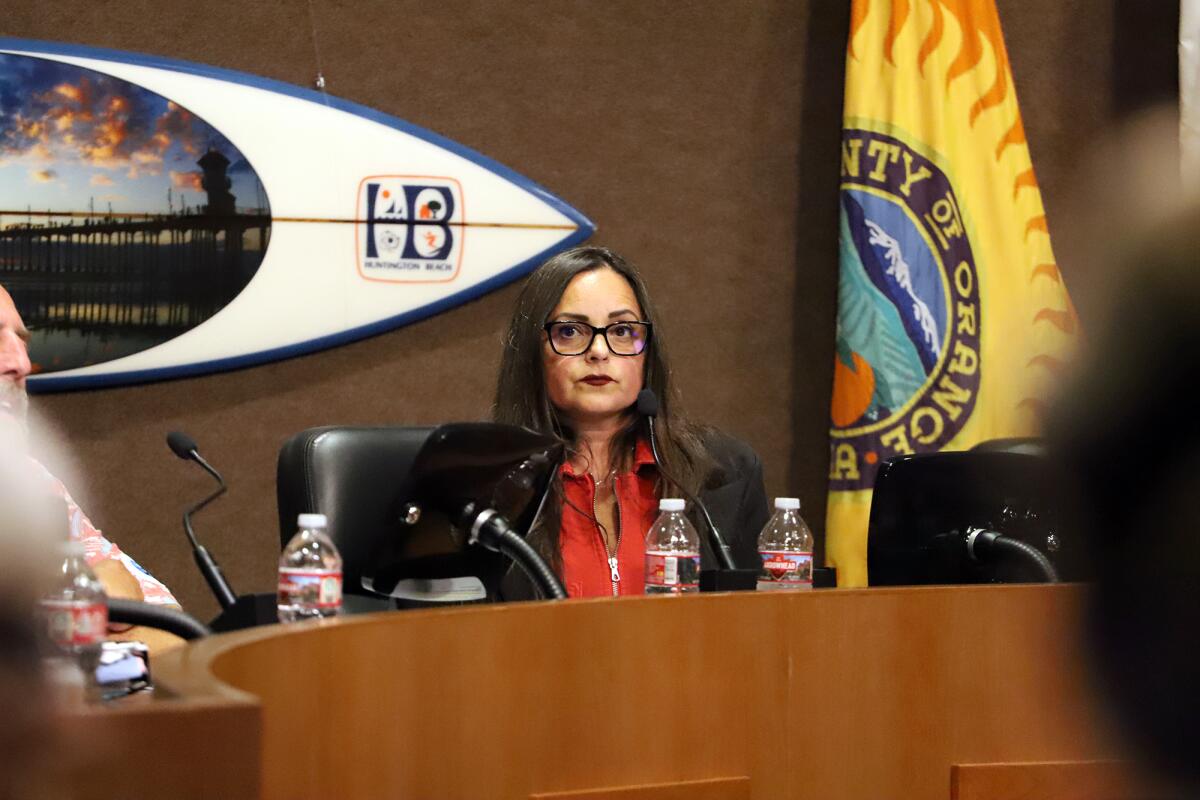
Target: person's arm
{"points": [[753, 513], [120, 583], [739, 505], [123, 578]]}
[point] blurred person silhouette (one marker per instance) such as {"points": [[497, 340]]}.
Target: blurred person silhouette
{"points": [[27, 735], [1129, 448]]}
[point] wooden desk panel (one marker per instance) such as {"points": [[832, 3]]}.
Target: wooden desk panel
{"points": [[1056, 780], [831, 694], [715, 789], [162, 748]]}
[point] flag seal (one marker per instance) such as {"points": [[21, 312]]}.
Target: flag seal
{"points": [[908, 368]]}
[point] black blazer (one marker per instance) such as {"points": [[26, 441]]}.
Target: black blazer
{"points": [[736, 500]]}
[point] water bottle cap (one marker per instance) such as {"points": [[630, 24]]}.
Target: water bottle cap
{"points": [[788, 503], [671, 504], [312, 521]]}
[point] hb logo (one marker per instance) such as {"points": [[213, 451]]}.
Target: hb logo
{"points": [[407, 221]]}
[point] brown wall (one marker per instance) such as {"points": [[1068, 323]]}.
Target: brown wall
{"points": [[701, 137]]}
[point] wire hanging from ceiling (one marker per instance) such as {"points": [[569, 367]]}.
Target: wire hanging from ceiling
{"points": [[319, 81]]}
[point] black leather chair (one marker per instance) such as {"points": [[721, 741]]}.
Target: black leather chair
{"points": [[924, 506], [355, 476]]}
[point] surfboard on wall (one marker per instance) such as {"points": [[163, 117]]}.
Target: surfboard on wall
{"points": [[160, 218]]}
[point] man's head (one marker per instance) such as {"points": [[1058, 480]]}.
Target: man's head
{"points": [[14, 361]]}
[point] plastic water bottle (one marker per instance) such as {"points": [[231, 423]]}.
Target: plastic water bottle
{"points": [[672, 552], [786, 548], [74, 613], [310, 573]]}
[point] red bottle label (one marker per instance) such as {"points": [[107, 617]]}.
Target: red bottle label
{"points": [[677, 570], [75, 623], [317, 587]]}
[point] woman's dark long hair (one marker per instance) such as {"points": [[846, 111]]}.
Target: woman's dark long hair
{"points": [[521, 397]]}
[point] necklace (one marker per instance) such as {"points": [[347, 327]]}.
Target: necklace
{"points": [[606, 480]]}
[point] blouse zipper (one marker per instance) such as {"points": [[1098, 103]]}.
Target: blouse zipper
{"points": [[614, 574]]}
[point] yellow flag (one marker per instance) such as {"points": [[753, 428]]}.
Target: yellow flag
{"points": [[952, 315]]}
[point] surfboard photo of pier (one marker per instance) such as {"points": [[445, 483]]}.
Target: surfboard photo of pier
{"points": [[139, 194], [125, 219]]}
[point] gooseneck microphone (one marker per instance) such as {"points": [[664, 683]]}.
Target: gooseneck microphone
{"points": [[647, 406], [185, 447], [489, 528], [984, 546]]}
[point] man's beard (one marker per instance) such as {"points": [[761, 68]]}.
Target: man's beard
{"points": [[14, 405]]}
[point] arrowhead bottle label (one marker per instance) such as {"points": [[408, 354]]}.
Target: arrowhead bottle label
{"points": [[312, 587], [788, 569]]}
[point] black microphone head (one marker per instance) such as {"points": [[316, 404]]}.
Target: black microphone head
{"points": [[181, 444], [647, 403]]}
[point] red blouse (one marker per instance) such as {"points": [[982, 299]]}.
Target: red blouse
{"points": [[585, 559]]}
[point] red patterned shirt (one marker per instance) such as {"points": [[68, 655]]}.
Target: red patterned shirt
{"points": [[98, 548]]}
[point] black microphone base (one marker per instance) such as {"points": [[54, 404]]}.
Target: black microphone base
{"points": [[248, 611], [728, 580], [824, 577]]}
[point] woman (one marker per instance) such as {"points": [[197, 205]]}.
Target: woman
{"points": [[584, 340]]}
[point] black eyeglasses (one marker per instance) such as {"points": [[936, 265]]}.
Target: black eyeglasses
{"points": [[576, 338]]}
